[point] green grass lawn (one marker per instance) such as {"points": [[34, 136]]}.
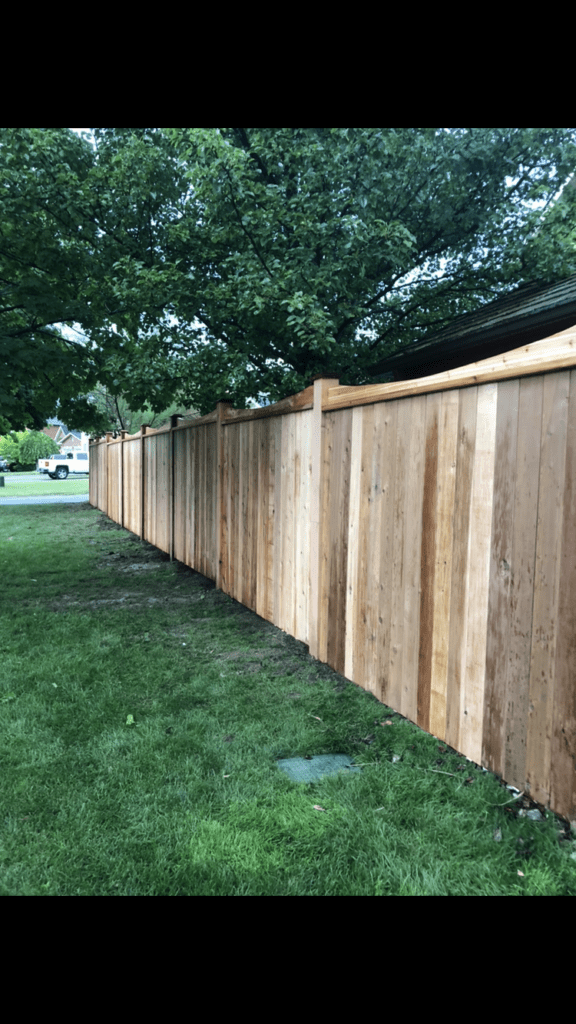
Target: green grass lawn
{"points": [[142, 715], [36, 486]]}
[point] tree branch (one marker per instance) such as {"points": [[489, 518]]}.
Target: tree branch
{"points": [[245, 229]]}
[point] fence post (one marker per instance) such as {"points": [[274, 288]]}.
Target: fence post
{"points": [[142, 481], [173, 425], [317, 623], [221, 517], [109, 437], [124, 435]]}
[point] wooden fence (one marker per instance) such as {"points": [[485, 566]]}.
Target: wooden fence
{"points": [[420, 537]]}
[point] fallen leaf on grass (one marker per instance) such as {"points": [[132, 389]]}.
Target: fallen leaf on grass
{"points": [[317, 808], [130, 720], [383, 724], [521, 875]]}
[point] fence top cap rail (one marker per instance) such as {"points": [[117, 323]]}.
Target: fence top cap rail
{"points": [[150, 431], [200, 422], [555, 353], [295, 403]]}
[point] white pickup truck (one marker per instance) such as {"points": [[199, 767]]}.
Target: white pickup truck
{"points": [[60, 467]]}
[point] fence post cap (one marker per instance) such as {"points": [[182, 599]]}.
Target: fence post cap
{"points": [[326, 376]]}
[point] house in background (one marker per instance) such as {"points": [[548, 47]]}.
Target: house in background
{"points": [[67, 440]]}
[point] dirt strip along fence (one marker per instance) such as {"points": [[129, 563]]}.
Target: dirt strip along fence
{"points": [[419, 537]]}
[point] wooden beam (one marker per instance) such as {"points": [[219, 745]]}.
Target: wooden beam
{"points": [[295, 403], [556, 353]]}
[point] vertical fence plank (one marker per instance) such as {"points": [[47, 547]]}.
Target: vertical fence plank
{"points": [[363, 612], [353, 547], [522, 583], [400, 515], [501, 574], [278, 532], [143, 475], [458, 639], [303, 524], [374, 445], [387, 418], [224, 509], [235, 549], [445, 511], [261, 515], [254, 513], [269, 498], [412, 556], [428, 559], [479, 573], [339, 533], [563, 744], [320, 462], [547, 583]]}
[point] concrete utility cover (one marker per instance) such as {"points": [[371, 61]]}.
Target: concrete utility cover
{"points": [[300, 770]]}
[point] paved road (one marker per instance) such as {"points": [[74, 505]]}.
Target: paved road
{"points": [[64, 499]]}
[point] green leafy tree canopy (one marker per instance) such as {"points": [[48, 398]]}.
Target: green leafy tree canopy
{"points": [[202, 263], [35, 445], [26, 447], [325, 249]]}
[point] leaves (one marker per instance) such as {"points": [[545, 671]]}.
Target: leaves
{"points": [[178, 265]]}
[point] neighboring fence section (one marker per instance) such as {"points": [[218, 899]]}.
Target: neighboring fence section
{"points": [[420, 537]]}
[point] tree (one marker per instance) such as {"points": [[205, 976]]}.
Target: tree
{"points": [[82, 246], [325, 249], [9, 447], [26, 447], [201, 263], [35, 445], [119, 416]]}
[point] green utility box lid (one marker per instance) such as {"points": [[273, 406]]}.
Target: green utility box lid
{"points": [[299, 769]]}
